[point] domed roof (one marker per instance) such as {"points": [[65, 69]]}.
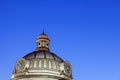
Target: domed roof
{"points": [[43, 36], [42, 64], [42, 54]]}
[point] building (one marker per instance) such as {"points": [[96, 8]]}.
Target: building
{"points": [[42, 64]]}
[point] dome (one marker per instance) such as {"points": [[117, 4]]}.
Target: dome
{"points": [[43, 36], [42, 64], [42, 54]]}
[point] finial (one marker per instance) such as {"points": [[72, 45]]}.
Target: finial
{"points": [[43, 32]]}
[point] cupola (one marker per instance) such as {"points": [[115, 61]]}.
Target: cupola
{"points": [[42, 42]]}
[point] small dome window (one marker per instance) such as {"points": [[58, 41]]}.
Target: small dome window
{"points": [[47, 44]]}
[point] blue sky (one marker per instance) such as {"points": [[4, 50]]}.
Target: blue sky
{"points": [[84, 32]]}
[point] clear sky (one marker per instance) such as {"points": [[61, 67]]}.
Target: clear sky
{"points": [[84, 32]]}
